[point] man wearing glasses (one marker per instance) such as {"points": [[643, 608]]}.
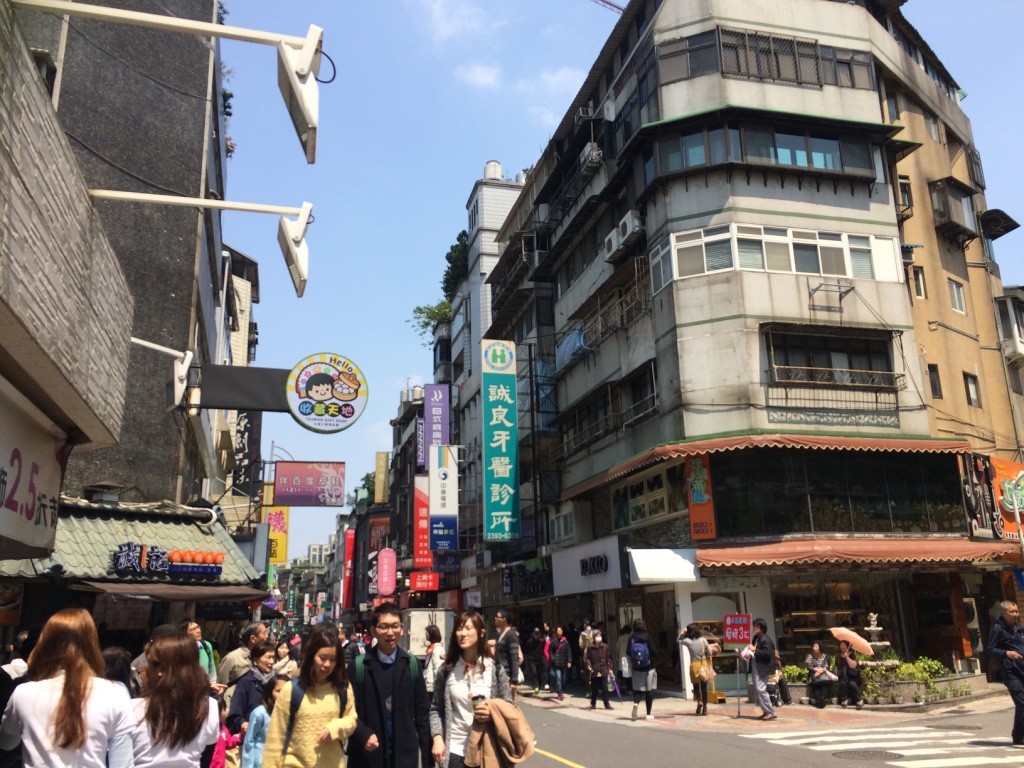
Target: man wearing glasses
{"points": [[393, 730]]}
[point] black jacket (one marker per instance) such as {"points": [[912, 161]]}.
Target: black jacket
{"points": [[248, 695], [410, 711], [561, 652], [764, 654], [1003, 638], [507, 652]]}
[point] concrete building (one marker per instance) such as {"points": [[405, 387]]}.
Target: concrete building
{"points": [[758, 412]]}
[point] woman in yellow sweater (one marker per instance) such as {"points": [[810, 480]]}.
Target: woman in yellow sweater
{"points": [[326, 716]]}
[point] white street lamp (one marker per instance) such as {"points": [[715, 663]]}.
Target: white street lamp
{"points": [[182, 361], [298, 58]]}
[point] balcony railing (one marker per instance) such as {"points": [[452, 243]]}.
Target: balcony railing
{"points": [[590, 433], [803, 375], [640, 410]]}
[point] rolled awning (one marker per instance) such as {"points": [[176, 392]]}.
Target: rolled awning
{"points": [[720, 444], [848, 552], [220, 593], [662, 566]]}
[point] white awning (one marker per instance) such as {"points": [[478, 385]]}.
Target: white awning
{"points": [[662, 566]]}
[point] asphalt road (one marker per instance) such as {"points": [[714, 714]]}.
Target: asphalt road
{"points": [[973, 733]]}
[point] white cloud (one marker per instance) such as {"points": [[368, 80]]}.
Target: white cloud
{"points": [[452, 18], [558, 84], [479, 75]]}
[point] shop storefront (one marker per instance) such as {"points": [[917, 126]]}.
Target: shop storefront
{"points": [[585, 579], [135, 566]]}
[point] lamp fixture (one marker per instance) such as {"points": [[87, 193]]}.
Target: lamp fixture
{"points": [[298, 58], [291, 235], [181, 365]]}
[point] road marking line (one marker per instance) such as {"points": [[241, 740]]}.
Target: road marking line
{"points": [[843, 737], [945, 762], [889, 745], [561, 760], [798, 734]]}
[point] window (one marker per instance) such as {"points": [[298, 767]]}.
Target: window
{"points": [[830, 358], [933, 125], [892, 106], [919, 289], [956, 296], [649, 497], [971, 390], [933, 380]]}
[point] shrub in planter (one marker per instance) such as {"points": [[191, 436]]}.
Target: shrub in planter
{"points": [[794, 674]]}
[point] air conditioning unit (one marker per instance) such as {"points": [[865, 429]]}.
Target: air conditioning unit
{"points": [[609, 111], [630, 228], [583, 113], [591, 158], [612, 246]]}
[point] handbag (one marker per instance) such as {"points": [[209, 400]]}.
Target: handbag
{"points": [[706, 673], [626, 666], [609, 683], [831, 676]]}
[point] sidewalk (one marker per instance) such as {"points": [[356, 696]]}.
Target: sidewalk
{"points": [[670, 710]]}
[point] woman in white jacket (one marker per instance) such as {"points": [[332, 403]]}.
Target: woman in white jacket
{"points": [[67, 713]]}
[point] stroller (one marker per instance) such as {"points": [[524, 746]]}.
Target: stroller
{"points": [[772, 686]]}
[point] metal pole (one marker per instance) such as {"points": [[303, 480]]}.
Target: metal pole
{"points": [[1014, 487], [192, 202]]}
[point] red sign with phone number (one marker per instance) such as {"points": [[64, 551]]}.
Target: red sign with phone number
{"points": [[737, 630]]}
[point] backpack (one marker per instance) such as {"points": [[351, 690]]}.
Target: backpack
{"points": [[297, 693], [414, 668], [639, 653]]}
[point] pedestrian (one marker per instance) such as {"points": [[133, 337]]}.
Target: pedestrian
{"points": [[434, 658], [467, 682], [349, 649], [239, 661], [848, 671], [561, 661], [763, 650], [586, 636], [506, 647], [259, 723], [66, 713], [226, 740], [820, 677], [625, 664], [701, 652], [285, 664], [536, 669], [548, 638], [249, 688], [139, 662], [599, 667], [1006, 646], [317, 709], [177, 718], [117, 666], [206, 660], [645, 678], [393, 730]]}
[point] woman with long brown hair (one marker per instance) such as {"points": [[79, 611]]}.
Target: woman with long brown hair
{"points": [[67, 713], [469, 677], [175, 719], [313, 735]]}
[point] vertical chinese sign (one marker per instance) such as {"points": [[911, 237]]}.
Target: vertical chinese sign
{"points": [[380, 478], [347, 584], [444, 499], [702, 507], [501, 441], [435, 413], [277, 520], [421, 555]]}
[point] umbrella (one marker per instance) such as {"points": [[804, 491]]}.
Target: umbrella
{"points": [[615, 683], [858, 643]]}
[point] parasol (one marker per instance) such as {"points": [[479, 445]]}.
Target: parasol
{"points": [[858, 643]]}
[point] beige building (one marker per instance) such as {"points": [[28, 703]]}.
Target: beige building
{"points": [[721, 249]]}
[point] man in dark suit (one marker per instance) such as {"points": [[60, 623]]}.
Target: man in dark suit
{"points": [[393, 730]]}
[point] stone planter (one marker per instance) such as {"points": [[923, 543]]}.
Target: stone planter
{"points": [[907, 691]]}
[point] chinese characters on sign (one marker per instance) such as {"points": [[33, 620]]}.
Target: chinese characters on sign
{"points": [[435, 413], [501, 441], [380, 477], [326, 392], [424, 581], [277, 519], [421, 555], [698, 489], [30, 476], [444, 499], [309, 484], [737, 630]]}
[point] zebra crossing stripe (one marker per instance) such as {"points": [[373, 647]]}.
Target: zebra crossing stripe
{"points": [[894, 745], [810, 735], [945, 762]]}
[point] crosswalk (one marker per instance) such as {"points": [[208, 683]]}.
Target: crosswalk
{"points": [[905, 747]]}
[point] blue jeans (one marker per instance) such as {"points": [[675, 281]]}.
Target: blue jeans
{"points": [[558, 677]]}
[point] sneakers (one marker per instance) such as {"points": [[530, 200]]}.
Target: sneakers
{"points": [[606, 706], [648, 717], [561, 697], [633, 716], [766, 716], [860, 704], [594, 706]]}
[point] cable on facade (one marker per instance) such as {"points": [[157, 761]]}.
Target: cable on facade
{"points": [[99, 155]]}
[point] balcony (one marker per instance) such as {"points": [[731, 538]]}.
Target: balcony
{"points": [[852, 378], [590, 433], [953, 210]]}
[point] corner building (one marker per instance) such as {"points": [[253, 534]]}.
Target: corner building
{"points": [[726, 221]]}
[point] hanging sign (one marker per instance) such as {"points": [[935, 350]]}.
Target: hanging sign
{"points": [[500, 441], [326, 392]]}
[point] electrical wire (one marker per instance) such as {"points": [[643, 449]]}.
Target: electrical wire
{"points": [[334, 70], [100, 156]]}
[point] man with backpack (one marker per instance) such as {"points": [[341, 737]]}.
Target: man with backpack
{"points": [[391, 700]]}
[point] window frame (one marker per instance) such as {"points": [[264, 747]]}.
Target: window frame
{"points": [[971, 382], [935, 381], [957, 297], [917, 277]]}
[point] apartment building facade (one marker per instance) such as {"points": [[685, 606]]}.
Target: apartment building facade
{"points": [[718, 250]]}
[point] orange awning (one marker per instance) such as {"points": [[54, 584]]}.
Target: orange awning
{"points": [[793, 552], [719, 444]]}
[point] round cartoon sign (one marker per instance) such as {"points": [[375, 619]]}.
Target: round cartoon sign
{"points": [[326, 392]]}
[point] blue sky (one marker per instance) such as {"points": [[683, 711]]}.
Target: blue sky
{"points": [[426, 92]]}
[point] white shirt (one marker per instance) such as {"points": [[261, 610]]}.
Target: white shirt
{"points": [[461, 690], [28, 718], [148, 754]]}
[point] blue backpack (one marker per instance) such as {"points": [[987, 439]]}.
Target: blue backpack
{"points": [[639, 653]]}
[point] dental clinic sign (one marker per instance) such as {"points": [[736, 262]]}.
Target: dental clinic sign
{"points": [[501, 441]]}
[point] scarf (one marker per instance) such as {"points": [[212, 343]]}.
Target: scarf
{"points": [[263, 677]]}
